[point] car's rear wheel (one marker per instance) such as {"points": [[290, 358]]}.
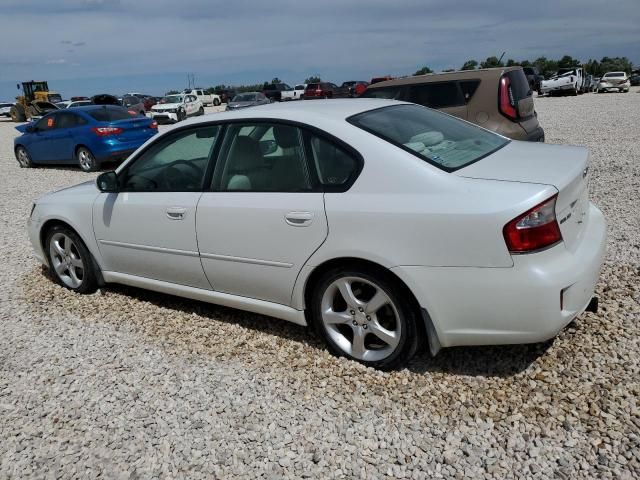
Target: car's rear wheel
{"points": [[23, 157], [216, 102], [70, 261], [362, 315], [86, 161], [201, 111]]}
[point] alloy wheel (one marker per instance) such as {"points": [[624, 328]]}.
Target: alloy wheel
{"points": [[23, 158], [85, 159], [66, 260], [361, 319]]}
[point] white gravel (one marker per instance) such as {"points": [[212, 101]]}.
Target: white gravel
{"points": [[130, 384]]}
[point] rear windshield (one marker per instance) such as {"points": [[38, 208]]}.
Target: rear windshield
{"points": [[390, 93], [614, 74], [109, 114], [439, 139], [313, 86], [245, 97]]}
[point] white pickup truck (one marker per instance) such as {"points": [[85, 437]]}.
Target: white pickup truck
{"points": [[206, 98], [566, 80], [295, 94]]}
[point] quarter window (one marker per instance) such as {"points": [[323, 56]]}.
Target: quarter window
{"points": [[335, 167], [176, 163], [263, 157]]}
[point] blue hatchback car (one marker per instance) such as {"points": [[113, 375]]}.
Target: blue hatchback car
{"points": [[86, 136]]}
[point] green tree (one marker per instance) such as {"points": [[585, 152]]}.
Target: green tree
{"points": [[469, 65], [423, 71], [620, 64], [491, 62], [512, 63], [276, 80], [313, 79], [567, 61]]}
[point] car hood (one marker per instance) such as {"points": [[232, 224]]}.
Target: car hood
{"points": [[82, 188], [241, 104], [166, 106]]}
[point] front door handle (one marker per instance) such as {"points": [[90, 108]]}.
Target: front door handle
{"points": [[176, 213], [299, 219]]}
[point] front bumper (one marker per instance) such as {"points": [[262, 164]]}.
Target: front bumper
{"points": [[557, 88], [164, 117], [520, 304]]}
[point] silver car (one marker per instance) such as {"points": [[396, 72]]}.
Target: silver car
{"points": [[248, 99]]}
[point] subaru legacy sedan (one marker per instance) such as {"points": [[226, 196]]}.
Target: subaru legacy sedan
{"points": [[385, 225]]}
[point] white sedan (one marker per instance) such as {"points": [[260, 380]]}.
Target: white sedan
{"points": [[386, 225], [614, 81]]}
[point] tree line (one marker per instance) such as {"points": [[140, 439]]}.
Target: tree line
{"points": [[548, 67], [545, 66]]}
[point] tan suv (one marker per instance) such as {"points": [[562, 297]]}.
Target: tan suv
{"points": [[498, 99]]}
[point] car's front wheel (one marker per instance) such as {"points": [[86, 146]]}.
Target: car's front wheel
{"points": [[23, 157], [86, 161], [362, 315], [70, 260]]}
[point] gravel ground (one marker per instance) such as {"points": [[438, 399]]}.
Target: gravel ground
{"points": [[131, 384]]}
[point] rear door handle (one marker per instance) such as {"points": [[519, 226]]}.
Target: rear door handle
{"points": [[299, 219], [176, 213]]}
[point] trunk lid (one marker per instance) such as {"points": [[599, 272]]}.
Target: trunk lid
{"points": [[133, 128], [564, 167]]}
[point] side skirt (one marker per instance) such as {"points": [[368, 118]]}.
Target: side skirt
{"points": [[261, 307]]}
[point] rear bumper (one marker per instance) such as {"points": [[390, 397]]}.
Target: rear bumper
{"points": [[521, 304], [557, 88], [536, 135], [608, 86], [115, 150]]}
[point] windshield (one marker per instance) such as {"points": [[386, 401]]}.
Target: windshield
{"points": [[172, 99], [245, 97], [439, 139]]}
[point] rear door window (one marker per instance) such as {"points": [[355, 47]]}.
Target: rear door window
{"points": [[69, 120], [437, 95]]}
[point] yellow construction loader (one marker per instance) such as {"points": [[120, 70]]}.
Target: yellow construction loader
{"points": [[35, 101]]}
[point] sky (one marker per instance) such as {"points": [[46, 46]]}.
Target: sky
{"points": [[84, 47]]}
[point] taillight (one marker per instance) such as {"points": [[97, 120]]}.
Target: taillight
{"points": [[154, 125], [507, 103], [534, 229], [106, 131], [132, 113]]}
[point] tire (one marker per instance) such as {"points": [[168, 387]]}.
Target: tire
{"points": [[70, 261], [23, 157], [181, 115], [17, 113], [574, 92], [201, 111], [216, 102], [86, 161], [383, 336]]}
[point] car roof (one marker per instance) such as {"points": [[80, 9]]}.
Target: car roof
{"points": [[443, 76], [304, 112]]}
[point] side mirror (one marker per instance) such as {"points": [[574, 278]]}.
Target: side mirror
{"points": [[107, 182]]}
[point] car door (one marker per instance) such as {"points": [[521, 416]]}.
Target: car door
{"points": [[264, 215], [39, 146], [147, 229], [61, 138], [190, 104]]}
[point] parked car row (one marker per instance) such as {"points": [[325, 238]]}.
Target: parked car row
{"points": [[576, 81]]}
